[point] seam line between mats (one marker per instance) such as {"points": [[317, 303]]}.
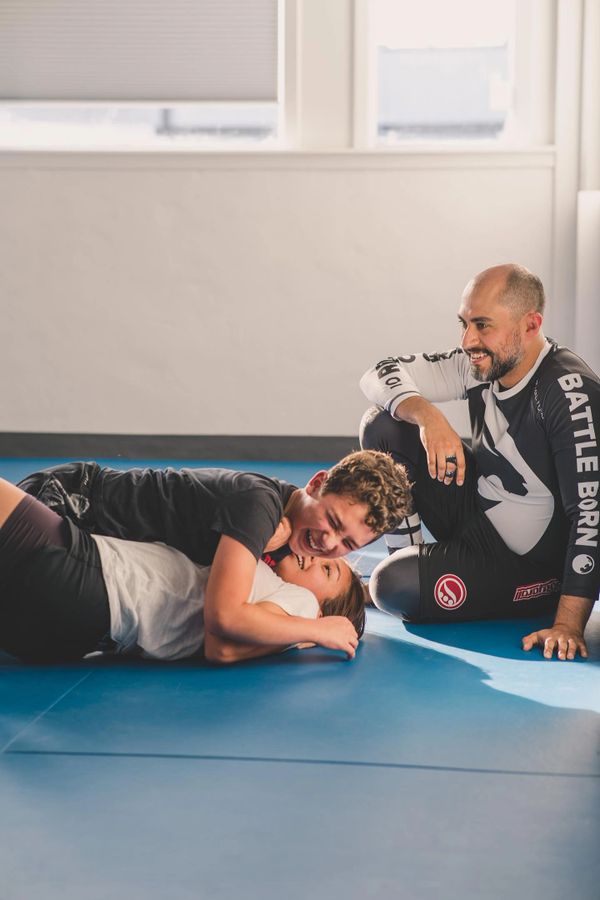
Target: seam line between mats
{"points": [[295, 761], [42, 714]]}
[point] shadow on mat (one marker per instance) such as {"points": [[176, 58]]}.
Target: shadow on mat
{"points": [[404, 702], [311, 656], [502, 638]]}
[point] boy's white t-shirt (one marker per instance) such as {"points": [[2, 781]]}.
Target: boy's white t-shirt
{"points": [[156, 597]]}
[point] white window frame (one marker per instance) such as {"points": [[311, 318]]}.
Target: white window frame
{"points": [[326, 95], [533, 69]]}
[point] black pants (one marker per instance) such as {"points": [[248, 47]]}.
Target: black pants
{"points": [[53, 600], [469, 572]]}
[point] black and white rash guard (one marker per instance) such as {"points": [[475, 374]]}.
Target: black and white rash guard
{"points": [[535, 446]]}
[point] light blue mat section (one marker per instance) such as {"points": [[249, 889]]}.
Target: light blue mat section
{"points": [[442, 763]]}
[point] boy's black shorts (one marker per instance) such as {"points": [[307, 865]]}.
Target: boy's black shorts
{"points": [[53, 601]]}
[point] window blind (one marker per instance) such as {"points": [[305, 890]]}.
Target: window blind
{"points": [[138, 50]]}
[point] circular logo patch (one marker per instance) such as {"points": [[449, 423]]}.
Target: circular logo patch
{"points": [[450, 592], [583, 564]]}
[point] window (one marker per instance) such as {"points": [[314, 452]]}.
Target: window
{"points": [[441, 71], [105, 73], [101, 126]]}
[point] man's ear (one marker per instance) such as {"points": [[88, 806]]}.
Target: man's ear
{"points": [[533, 323], [316, 483]]}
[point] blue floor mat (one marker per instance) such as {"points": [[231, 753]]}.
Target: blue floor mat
{"points": [[442, 762]]}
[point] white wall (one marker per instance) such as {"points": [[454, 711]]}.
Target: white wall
{"points": [[245, 293], [234, 294]]}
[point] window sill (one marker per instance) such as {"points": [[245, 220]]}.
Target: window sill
{"points": [[423, 156]]}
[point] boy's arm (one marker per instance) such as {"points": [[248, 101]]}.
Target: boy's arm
{"points": [[222, 650], [280, 536], [227, 615]]}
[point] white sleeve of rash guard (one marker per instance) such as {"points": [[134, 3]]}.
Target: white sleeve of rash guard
{"points": [[435, 376]]}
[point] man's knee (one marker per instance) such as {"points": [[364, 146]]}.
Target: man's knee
{"points": [[380, 431], [395, 586], [376, 429]]}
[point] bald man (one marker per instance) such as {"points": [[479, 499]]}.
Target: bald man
{"points": [[515, 517]]}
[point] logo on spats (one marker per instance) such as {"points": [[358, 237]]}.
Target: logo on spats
{"points": [[450, 592], [539, 589], [583, 564]]}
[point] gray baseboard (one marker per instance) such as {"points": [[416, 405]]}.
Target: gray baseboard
{"points": [[293, 448]]}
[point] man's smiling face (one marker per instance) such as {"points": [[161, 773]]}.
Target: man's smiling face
{"points": [[493, 337]]}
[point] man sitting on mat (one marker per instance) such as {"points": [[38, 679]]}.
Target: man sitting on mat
{"points": [[515, 517], [227, 519]]}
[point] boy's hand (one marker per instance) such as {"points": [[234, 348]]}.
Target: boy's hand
{"points": [[336, 633], [281, 535]]}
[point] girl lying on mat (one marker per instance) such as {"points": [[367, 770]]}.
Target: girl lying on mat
{"points": [[65, 593]]}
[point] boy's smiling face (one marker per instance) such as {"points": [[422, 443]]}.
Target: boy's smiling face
{"points": [[326, 525]]}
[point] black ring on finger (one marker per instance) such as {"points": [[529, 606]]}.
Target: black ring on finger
{"points": [[451, 459]]}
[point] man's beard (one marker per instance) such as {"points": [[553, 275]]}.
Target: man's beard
{"points": [[500, 366]]}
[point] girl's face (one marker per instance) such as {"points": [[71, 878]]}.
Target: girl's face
{"points": [[326, 578]]}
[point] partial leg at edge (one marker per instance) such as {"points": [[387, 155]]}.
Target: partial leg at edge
{"points": [[395, 586]]}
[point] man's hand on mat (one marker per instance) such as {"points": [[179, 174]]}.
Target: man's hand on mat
{"points": [[445, 456], [566, 635], [337, 633], [281, 536], [567, 642]]}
